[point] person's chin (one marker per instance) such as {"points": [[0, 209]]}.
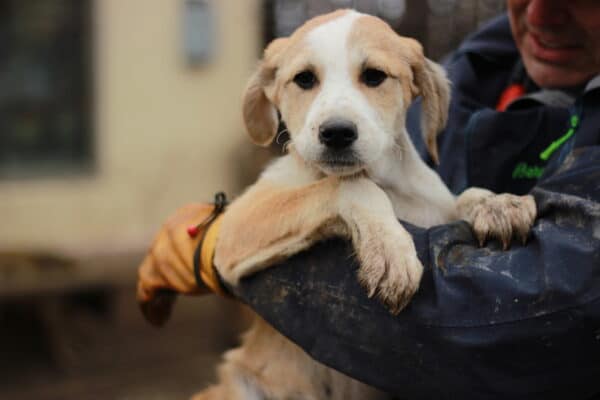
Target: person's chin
{"points": [[553, 76]]}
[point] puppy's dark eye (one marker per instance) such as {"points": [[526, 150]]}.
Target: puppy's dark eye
{"points": [[305, 80], [372, 77]]}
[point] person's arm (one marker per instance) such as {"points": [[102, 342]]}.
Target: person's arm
{"points": [[485, 323]]}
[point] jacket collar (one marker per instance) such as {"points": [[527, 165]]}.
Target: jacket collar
{"points": [[493, 41]]}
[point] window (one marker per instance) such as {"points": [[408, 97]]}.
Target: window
{"points": [[45, 87]]}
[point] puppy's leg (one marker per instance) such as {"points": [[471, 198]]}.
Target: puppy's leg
{"points": [[390, 268], [498, 216], [269, 222], [267, 366]]}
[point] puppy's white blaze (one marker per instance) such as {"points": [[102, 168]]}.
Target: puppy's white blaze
{"points": [[339, 97], [329, 40]]}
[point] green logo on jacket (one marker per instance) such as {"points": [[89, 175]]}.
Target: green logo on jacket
{"points": [[524, 171]]}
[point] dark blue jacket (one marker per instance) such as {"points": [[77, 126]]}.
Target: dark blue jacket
{"points": [[486, 323]]}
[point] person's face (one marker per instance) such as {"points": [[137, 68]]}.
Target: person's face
{"points": [[559, 40]]}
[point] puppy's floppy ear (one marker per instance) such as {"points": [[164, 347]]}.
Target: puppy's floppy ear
{"points": [[260, 114], [434, 88]]}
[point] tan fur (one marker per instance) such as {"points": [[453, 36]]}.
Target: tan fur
{"points": [[260, 116], [499, 216], [436, 98], [295, 203], [403, 59], [389, 52], [283, 212]]}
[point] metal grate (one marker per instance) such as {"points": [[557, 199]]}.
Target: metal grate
{"points": [[440, 25]]}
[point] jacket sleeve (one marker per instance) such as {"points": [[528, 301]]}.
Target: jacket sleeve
{"points": [[485, 323]]}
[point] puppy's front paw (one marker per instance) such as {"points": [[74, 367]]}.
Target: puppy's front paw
{"points": [[390, 268], [503, 216]]}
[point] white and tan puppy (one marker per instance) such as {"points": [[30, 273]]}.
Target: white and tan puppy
{"points": [[342, 84]]}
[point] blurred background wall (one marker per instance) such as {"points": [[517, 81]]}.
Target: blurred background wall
{"points": [[112, 114], [162, 127]]}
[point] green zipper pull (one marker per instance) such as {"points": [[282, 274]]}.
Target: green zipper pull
{"points": [[545, 155]]}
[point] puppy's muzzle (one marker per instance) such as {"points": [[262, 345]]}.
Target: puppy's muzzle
{"points": [[337, 134]]}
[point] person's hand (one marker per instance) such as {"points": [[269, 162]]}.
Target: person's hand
{"points": [[168, 268]]}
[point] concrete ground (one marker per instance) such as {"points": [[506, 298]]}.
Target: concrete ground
{"points": [[96, 345]]}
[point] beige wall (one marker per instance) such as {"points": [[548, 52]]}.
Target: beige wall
{"points": [[165, 131]]}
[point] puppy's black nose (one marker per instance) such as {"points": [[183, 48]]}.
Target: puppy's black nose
{"points": [[337, 134]]}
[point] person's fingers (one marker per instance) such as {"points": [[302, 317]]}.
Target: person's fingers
{"points": [[168, 268], [157, 309], [149, 280], [161, 276], [154, 299], [181, 250], [175, 269]]}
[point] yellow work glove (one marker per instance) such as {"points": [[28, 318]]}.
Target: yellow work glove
{"points": [[168, 268]]}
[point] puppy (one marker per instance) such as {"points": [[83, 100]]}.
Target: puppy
{"points": [[342, 84]]}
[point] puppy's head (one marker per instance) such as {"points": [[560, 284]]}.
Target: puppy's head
{"points": [[342, 84]]}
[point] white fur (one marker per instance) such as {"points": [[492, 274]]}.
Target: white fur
{"points": [[339, 97]]}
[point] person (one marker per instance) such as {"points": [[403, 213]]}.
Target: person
{"points": [[486, 323]]}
